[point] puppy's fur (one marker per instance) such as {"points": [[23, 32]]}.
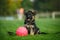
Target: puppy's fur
{"points": [[30, 23]]}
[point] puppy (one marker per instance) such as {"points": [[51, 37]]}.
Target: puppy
{"points": [[30, 23]]}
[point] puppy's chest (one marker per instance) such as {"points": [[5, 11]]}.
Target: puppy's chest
{"points": [[28, 21]]}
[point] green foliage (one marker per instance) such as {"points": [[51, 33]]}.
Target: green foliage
{"points": [[26, 4], [3, 6], [47, 5], [8, 7], [42, 5]]}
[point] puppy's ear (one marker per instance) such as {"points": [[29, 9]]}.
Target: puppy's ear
{"points": [[25, 12]]}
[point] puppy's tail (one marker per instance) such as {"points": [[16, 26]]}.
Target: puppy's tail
{"points": [[42, 33]]}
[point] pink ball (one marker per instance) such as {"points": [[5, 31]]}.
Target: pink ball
{"points": [[21, 31]]}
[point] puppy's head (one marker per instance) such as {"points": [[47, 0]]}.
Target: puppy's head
{"points": [[29, 14]]}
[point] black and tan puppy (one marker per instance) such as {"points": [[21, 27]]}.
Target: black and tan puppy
{"points": [[30, 23]]}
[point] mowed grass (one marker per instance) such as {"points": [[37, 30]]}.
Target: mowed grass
{"points": [[50, 26]]}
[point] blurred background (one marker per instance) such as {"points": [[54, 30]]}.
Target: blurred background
{"points": [[9, 9], [47, 18]]}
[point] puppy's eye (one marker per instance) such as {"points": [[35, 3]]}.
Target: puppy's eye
{"points": [[29, 15]]}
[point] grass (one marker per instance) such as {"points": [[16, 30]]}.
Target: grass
{"points": [[51, 26]]}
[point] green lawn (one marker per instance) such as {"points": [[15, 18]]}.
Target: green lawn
{"points": [[50, 26]]}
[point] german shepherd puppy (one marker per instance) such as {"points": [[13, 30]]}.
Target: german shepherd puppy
{"points": [[30, 23]]}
